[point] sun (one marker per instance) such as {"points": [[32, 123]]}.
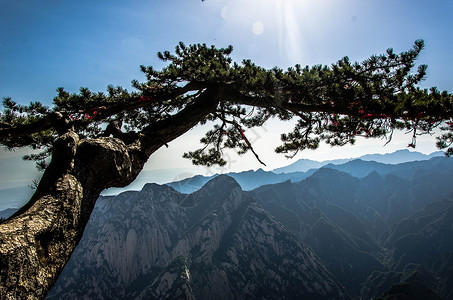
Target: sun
{"points": [[288, 25]]}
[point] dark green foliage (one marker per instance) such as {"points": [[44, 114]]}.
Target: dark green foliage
{"points": [[16, 115], [332, 103]]}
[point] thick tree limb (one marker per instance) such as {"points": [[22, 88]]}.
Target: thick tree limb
{"points": [[56, 120]]}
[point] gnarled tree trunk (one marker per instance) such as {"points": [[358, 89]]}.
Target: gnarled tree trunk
{"points": [[37, 241]]}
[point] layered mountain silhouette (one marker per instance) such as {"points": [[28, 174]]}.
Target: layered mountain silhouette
{"points": [[356, 230], [359, 167], [397, 157], [374, 232]]}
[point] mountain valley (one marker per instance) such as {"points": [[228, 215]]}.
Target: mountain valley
{"points": [[356, 230]]}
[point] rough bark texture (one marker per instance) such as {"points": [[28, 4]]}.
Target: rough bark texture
{"points": [[37, 241]]}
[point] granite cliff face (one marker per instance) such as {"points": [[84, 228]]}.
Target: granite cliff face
{"points": [[215, 243], [329, 236]]}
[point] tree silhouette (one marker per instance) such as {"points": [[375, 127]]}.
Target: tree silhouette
{"points": [[102, 140]]}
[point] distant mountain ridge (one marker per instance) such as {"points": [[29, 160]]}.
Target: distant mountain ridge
{"points": [[250, 180], [360, 168], [16, 197], [397, 157]]}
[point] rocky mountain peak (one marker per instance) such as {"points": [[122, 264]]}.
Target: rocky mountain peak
{"points": [[215, 243], [280, 241], [221, 182]]}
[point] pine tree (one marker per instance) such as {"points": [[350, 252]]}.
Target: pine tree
{"points": [[101, 140]]}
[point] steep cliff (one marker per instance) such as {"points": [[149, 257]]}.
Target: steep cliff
{"points": [[215, 243]]}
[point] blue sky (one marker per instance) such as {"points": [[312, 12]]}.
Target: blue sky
{"points": [[51, 43]]}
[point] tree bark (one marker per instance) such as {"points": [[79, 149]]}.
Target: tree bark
{"points": [[38, 240]]}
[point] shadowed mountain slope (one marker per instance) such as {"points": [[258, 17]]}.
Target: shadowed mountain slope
{"points": [[215, 243], [330, 235]]}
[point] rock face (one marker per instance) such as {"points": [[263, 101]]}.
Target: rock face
{"points": [[217, 243], [374, 232], [329, 236]]}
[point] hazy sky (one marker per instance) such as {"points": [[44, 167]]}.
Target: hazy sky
{"points": [[47, 44]]}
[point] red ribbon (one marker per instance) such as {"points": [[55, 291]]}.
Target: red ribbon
{"points": [[91, 114]]}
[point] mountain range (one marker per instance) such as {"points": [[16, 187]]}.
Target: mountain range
{"points": [[353, 230], [397, 157], [359, 167], [14, 191], [217, 243], [331, 235]]}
